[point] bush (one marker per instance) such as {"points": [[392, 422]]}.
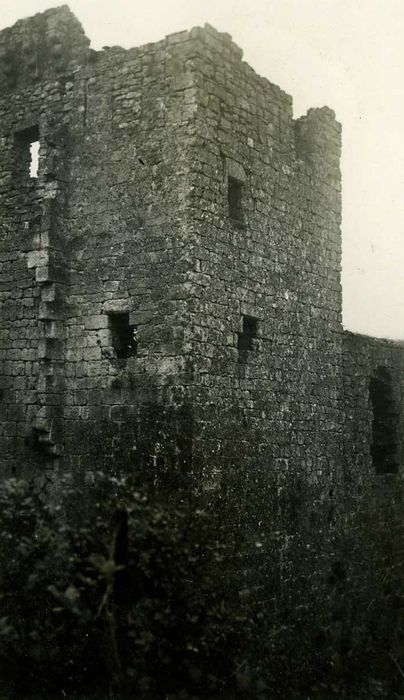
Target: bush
{"points": [[111, 588], [115, 589]]}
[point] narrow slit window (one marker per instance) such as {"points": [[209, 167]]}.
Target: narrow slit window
{"points": [[123, 335], [386, 413], [27, 152], [34, 154], [235, 200], [246, 337]]}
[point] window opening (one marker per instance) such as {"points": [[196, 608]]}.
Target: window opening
{"points": [[245, 338], [235, 200], [386, 412], [34, 154], [123, 335], [27, 155]]}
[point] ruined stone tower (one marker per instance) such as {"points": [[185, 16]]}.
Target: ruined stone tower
{"points": [[171, 271]]}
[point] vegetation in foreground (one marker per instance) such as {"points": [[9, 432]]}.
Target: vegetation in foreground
{"points": [[112, 590]]}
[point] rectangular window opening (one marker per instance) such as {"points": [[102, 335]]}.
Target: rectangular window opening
{"points": [[123, 335], [27, 152], [235, 200], [245, 338], [34, 154]]}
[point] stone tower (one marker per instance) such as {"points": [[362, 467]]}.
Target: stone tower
{"points": [[171, 271]]}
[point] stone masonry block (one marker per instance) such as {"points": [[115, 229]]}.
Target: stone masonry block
{"points": [[96, 322]]}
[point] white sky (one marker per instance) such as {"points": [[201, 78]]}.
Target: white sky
{"points": [[348, 54]]}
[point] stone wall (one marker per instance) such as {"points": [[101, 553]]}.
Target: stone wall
{"points": [[170, 280], [170, 300], [35, 55], [279, 266], [97, 239]]}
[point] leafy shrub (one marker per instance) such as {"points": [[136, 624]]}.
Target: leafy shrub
{"points": [[112, 588]]}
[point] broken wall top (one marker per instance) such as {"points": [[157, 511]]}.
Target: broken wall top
{"points": [[41, 47], [52, 45], [53, 42]]}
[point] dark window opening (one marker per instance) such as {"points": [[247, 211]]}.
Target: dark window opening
{"points": [[235, 200], [245, 338], [124, 335], [386, 413], [39, 440], [27, 152]]}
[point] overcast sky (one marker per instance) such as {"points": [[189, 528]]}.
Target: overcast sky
{"points": [[348, 54]]}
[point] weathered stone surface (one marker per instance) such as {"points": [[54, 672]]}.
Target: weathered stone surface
{"points": [[176, 195]]}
